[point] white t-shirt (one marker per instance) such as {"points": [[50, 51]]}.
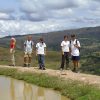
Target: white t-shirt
{"points": [[75, 50], [28, 46], [65, 46], [41, 48]]}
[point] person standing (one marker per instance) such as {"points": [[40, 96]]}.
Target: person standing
{"points": [[41, 52], [28, 49], [65, 47], [12, 51], [75, 52]]}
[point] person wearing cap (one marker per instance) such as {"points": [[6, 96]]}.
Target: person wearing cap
{"points": [[28, 49], [41, 52], [75, 52], [12, 50]]}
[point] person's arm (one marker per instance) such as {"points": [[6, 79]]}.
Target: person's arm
{"points": [[45, 51], [70, 48], [62, 48], [25, 44], [33, 49], [36, 49], [77, 45], [14, 44]]}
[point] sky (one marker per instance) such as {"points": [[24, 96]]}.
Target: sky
{"points": [[18, 17]]}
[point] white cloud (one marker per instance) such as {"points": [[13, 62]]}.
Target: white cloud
{"points": [[44, 10], [26, 27], [37, 16], [4, 16], [62, 13]]}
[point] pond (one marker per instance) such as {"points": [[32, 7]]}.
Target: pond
{"points": [[12, 89]]}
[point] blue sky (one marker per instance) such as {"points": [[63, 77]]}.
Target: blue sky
{"points": [[40, 16]]}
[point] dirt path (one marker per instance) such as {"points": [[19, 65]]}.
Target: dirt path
{"points": [[67, 74]]}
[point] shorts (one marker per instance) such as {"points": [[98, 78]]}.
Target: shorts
{"points": [[12, 51], [28, 54], [77, 58]]}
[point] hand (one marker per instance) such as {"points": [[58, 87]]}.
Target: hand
{"points": [[76, 45], [62, 53], [45, 53], [10, 50]]}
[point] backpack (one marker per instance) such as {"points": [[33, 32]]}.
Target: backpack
{"points": [[31, 43], [76, 44]]}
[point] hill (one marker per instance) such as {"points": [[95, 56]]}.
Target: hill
{"points": [[87, 36], [90, 42]]}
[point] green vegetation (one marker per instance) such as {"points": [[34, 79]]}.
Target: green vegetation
{"points": [[90, 63], [52, 58], [90, 49], [72, 89]]}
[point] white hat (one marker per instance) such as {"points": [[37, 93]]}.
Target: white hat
{"points": [[13, 39]]}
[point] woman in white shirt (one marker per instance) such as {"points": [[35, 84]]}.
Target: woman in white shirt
{"points": [[75, 52], [65, 45], [41, 52]]}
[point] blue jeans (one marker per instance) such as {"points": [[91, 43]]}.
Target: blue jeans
{"points": [[41, 61]]}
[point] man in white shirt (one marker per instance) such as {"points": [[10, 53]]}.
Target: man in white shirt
{"points": [[75, 51], [65, 47], [28, 49], [41, 52]]}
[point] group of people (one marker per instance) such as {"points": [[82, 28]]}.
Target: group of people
{"points": [[28, 51], [69, 47]]}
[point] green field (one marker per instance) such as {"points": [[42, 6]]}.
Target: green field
{"points": [[88, 64], [90, 49], [52, 59]]}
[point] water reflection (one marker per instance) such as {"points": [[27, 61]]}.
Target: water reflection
{"points": [[11, 89]]}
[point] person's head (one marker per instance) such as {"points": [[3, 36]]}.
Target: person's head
{"points": [[73, 36], [13, 40], [65, 37], [41, 40], [29, 38]]}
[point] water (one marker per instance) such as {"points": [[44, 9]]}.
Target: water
{"points": [[11, 89]]}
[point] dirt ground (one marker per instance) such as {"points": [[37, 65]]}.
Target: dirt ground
{"points": [[66, 74]]}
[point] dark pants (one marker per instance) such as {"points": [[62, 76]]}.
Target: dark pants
{"points": [[41, 61], [65, 57]]}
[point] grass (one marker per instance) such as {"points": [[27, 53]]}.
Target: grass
{"points": [[74, 90], [52, 59], [88, 62]]}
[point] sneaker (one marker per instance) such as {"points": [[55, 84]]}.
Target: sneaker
{"points": [[29, 65], [74, 70], [67, 68], [12, 65], [61, 69], [40, 68], [43, 68], [25, 65], [78, 71]]}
